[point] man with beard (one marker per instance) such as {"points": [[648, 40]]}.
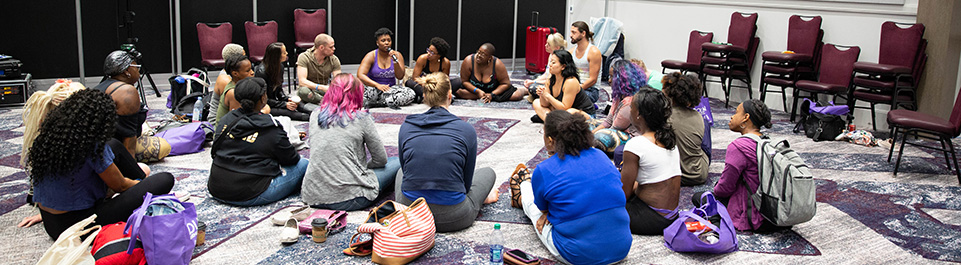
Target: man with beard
{"points": [[587, 58]]}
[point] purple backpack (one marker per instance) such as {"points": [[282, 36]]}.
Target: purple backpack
{"points": [[186, 139], [678, 238], [166, 227]]}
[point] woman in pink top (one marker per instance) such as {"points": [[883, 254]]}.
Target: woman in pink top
{"points": [[740, 162], [616, 129]]}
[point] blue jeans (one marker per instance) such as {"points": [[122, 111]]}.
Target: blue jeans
{"points": [[385, 180], [593, 94], [280, 187]]}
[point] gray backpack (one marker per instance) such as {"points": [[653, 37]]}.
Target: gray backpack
{"points": [[786, 194]]}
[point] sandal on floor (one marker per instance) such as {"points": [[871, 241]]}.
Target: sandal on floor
{"points": [[361, 248], [521, 174]]}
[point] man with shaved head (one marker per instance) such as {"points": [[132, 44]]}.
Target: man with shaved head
{"points": [[315, 67]]}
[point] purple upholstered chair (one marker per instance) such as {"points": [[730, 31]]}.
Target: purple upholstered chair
{"points": [[693, 63], [922, 125], [894, 78], [308, 23], [213, 37], [834, 74], [785, 69], [259, 35], [734, 61]]}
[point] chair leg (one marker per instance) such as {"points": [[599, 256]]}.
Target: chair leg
{"points": [[954, 157], [944, 150], [793, 106], [750, 92], [727, 92], [784, 96], [894, 138], [763, 88], [901, 151], [874, 121]]}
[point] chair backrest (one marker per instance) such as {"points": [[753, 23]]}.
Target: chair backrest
{"points": [[259, 35], [899, 46], [956, 116], [919, 63], [213, 37], [308, 23], [742, 29], [838, 64], [694, 45], [752, 51], [803, 36]]}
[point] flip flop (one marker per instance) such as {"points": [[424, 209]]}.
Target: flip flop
{"points": [[361, 248], [521, 173]]}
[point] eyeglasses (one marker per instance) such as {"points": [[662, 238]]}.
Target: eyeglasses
{"points": [[430, 52]]}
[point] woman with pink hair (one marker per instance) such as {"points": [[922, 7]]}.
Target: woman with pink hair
{"points": [[339, 176]]}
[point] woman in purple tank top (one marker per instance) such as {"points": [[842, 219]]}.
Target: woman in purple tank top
{"points": [[379, 71]]}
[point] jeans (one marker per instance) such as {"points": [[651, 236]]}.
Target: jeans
{"points": [[280, 187], [532, 212], [593, 93], [385, 180]]}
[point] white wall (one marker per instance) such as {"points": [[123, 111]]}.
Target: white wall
{"points": [[657, 30]]}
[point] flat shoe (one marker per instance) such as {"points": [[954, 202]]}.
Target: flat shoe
{"points": [[298, 213], [291, 233], [361, 248], [520, 174]]}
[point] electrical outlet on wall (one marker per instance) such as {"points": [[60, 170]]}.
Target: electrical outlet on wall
{"points": [[570, 9]]}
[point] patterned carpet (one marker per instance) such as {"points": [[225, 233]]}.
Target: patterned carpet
{"points": [[865, 213]]}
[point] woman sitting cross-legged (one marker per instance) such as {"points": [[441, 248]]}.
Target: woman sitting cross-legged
{"points": [[740, 167], [438, 152], [575, 198], [72, 167], [563, 90], [379, 70], [434, 61], [272, 71], [341, 134], [685, 94], [611, 134], [253, 162], [651, 176]]}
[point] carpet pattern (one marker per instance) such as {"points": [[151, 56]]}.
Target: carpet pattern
{"points": [[865, 214]]}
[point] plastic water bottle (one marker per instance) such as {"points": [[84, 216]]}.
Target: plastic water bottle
{"points": [[497, 246], [198, 109]]}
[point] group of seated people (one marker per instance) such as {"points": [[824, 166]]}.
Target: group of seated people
{"points": [[584, 206]]}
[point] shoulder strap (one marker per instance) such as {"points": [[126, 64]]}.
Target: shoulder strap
{"points": [[220, 137], [749, 204]]}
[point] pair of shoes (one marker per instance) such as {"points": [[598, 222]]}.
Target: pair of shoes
{"points": [[521, 174], [291, 233], [536, 119], [299, 213], [360, 248]]}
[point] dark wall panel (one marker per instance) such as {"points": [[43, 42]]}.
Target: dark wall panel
{"points": [[43, 35], [212, 11], [283, 13], [551, 15], [101, 35], [353, 24], [402, 36], [487, 21], [435, 18]]}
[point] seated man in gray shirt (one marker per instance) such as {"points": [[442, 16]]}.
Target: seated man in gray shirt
{"points": [[315, 67]]}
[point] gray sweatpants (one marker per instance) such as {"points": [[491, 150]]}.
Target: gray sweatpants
{"points": [[449, 218]]}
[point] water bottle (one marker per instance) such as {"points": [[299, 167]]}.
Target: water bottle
{"points": [[198, 109], [497, 246], [180, 79]]}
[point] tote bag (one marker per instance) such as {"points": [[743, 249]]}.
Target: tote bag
{"points": [[69, 249], [167, 238], [678, 238], [402, 236]]}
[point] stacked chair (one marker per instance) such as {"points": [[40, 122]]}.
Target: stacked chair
{"points": [[733, 60], [834, 74], [784, 69], [894, 79], [693, 63]]}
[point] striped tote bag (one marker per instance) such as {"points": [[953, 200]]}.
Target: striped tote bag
{"points": [[403, 235]]}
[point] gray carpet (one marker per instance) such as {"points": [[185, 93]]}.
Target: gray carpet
{"points": [[865, 213]]}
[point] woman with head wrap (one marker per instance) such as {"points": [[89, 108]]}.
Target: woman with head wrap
{"points": [[121, 72]]}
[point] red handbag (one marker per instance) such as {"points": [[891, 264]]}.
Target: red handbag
{"points": [[110, 247]]}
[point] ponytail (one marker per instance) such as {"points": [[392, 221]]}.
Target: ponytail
{"points": [[655, 108]]}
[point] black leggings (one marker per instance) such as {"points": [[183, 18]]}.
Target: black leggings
{"points": [[110, 211], [301, 114], [124, 161], [644, 220]]}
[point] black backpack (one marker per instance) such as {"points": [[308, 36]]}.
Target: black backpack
{"points": [[185, 94]]}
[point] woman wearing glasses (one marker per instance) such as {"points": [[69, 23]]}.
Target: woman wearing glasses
{"points": [[123, 71], [434, 60]]}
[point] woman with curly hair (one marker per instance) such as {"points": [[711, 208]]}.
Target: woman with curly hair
{"points": [[71, 166], [438, 152], [652, 171], [435, 60], [574, 196], [339, 176], [685, 94], [253, 162], [272, 71], [616, 129]]}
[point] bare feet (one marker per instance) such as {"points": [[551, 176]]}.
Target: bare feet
{"points": [[145, 168], [492, 197], [30, 220]]}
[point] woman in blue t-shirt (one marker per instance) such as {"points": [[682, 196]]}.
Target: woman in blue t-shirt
{"points": [[575, 198], [72, 168]]}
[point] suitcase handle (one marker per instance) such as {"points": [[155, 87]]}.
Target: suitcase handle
{"points": [[535, 19]]}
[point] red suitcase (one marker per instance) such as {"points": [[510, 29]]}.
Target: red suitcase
{"points": [[535, 54]]}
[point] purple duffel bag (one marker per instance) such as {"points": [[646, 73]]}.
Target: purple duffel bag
{"points": [[186, 139], [677, 237]]}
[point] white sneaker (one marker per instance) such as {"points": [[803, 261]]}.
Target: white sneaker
{"points": [[291, 233], [299, 213]]}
